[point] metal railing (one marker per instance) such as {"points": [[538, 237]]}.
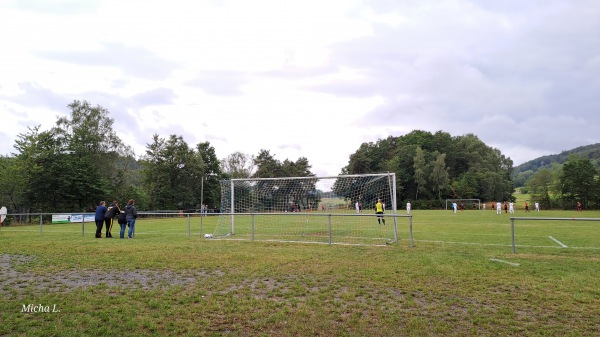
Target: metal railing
{"points": [[512, 225], [45, 219]]}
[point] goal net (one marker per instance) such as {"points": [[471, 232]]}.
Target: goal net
{"points": [[338, 209], [464, 204]]}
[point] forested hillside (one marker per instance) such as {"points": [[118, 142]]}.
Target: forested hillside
{"points": [[523, 172]]}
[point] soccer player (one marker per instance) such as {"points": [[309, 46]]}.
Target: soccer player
{"points": [[537, 206], [379, 211], [454, 207], [579, 207], [408, 207], [498, 207], [357, 207], [511, 208]]}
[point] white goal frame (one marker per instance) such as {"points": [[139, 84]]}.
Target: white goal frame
{"points": [[233, 210], [463, 200]]}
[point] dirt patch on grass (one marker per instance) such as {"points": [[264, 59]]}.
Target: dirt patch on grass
{"points": [[14, 277]]}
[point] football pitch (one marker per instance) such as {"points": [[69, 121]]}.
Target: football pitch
{"points": [[447, 274]]}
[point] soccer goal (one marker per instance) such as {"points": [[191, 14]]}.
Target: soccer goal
{"points": [[337, 209], [465, 204]]}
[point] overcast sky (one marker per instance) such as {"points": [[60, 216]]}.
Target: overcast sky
{"points": [[312, 79]]}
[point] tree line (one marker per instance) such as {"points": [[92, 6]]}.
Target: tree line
{"points": [[432, 167], [563, 185], [81, 160]]}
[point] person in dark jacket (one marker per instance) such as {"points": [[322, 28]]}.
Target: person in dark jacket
{"points": [[123, 223], [112, 212], [131, 215], [99, 218]]}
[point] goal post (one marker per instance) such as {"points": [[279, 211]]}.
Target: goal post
{"points": [[468, 203], [305, 208]]}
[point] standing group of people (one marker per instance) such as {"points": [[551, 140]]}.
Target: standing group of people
{"points": [[105, 217], [358, 207], [510, 207]]}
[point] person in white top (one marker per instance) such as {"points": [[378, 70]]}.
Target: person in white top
{"points": [[454, 207], [537, 206], [408, 207], [498, 208], [511, 208], [357, 207]]}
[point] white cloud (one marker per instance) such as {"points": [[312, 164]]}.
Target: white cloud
{"points": [[310, 79]]}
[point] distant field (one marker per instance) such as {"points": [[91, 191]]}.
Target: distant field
{"points": [[460, 278]]}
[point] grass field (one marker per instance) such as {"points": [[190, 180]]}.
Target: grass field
{"points": [[460, 278]]}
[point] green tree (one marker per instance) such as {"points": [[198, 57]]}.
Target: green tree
{"points": [[238, 165], [212, 173], [54, 179], [420, 170], [267, 166], [88, 130], [172, 174], [540, 186], [439, 175], [88, 134], [578, 181], [473, 168], [11, 184]]}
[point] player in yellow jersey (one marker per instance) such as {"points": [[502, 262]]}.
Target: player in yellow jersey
{"points": [[379, 210]]}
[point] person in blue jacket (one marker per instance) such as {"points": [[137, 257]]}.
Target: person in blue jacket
{"points": [[99, 218]]}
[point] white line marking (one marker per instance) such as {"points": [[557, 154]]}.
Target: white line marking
{"points": [[507, 262], [560, 243]]}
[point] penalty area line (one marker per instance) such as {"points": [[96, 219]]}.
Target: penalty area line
{"points": [[560, 243], [504, 261]]}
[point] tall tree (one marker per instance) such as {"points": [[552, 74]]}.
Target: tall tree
{"points": [[266, 165], [88, 130], [55, 179], [578, 180], [540, 187], [12, 184], [238, 165], [420, 170], [172, 174], [439, 175], [87, 133], [211, 175]]}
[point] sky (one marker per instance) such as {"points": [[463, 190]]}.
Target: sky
{"points": [[308, 78]]}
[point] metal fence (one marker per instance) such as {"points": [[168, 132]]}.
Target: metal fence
{"points": [[330, 228]]}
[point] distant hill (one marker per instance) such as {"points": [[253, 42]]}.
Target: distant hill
{"points": [[522, 172]]}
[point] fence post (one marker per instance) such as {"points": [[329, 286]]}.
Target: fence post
{"points": [[41, 218], [396, 228], [411, 231], [252, 227], [512, 234], [189, 226], [83, 225], [329, 227]]}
